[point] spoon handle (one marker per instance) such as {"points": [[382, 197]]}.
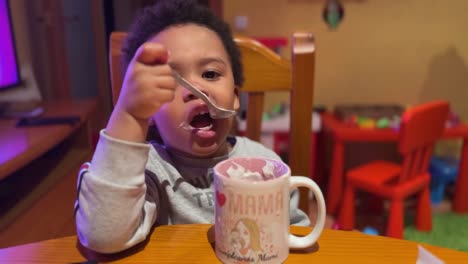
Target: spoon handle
{"points": [[216, 112], [192, 88]]}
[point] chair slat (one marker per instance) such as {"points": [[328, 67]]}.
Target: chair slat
{"points": [[254, 115]]}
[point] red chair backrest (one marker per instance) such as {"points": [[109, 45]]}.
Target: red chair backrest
{"points": [[420, 127]]}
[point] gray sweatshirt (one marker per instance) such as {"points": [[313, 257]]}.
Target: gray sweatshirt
{"points": [[129, 187]]}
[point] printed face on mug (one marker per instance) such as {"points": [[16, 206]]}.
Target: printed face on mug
{"points": [[252, 210]]}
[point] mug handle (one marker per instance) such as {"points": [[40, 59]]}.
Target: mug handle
{"points": [[311, 238]]}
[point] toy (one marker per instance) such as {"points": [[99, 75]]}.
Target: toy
{"points": [[382, 123], [443, 171], [336, 226], [395, 123], [453, 120], [366, 122], [371, 116], [370, 231], [276, 111]]}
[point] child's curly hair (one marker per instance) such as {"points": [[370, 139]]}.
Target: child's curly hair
{"points": [[156, 18]]}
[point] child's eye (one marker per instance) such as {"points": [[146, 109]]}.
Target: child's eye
{"points": [[210, 75]]}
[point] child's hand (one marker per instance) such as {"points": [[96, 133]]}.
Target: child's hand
{"points": [[148, 82]]}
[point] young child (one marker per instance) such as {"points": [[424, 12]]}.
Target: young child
{"points": [[132, 185]]}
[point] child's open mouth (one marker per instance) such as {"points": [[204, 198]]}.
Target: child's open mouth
{"points": [[202, 121], [199, 122]]}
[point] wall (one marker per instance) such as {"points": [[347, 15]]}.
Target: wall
{"points": [[403, 51], [123, 14], [80, 48]]}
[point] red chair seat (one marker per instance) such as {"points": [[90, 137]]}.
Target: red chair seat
{"points": [[381, 178], [375, 173]]}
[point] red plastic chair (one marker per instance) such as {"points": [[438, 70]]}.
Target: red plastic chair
{"points": [[421, 126]]}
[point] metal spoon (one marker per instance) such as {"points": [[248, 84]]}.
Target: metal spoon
{"points": [[216, 112]]}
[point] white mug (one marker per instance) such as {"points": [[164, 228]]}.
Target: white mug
{"points": [[252, 210]]}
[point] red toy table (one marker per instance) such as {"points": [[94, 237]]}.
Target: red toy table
{"points": [[342, 133]]}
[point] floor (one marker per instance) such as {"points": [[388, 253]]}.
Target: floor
{"points": [[366, 217], [50, 217]]}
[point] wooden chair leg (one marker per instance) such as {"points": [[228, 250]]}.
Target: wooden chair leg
{"points": [[395, 219], [423, 211], [347, 214]]}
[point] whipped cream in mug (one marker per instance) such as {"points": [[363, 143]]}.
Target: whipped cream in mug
{"points": [[241, 173]]}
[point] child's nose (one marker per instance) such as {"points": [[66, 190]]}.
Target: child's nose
{"points": [[188, 95]]}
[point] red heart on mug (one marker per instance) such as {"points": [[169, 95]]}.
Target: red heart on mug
{"points": [[221, 198]]}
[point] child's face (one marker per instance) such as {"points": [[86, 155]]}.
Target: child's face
{"points": [[197, 54]]}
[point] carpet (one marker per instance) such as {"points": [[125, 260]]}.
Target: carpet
{"points": [[449, 230]]}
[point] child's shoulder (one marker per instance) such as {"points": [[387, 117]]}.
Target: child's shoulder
{"points": [[159, 153], [246, 147], [246, 142]]}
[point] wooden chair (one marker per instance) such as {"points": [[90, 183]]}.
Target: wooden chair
{"points": [[264, 71], [421, 126]]}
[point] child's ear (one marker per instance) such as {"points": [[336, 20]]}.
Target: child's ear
{"points": [[236, 99]]}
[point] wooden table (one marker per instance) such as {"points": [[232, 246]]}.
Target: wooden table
{"points": [[194, 244], [41, 155], [342, 133], [21, 145]]}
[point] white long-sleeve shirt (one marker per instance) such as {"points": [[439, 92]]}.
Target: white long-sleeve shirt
{"points": [[129, 187]]}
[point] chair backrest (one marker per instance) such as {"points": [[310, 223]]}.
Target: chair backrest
{"points": [[264, 71], [117, 71], [421, 127]]}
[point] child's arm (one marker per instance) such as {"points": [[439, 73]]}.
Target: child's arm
{"points": [[148, 84], [115, 210], [296, 215]]}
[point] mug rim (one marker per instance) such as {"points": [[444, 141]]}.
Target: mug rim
{"points": [[235, 180]]}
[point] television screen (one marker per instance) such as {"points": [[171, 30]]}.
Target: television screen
{"points": [[9, 70]]}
